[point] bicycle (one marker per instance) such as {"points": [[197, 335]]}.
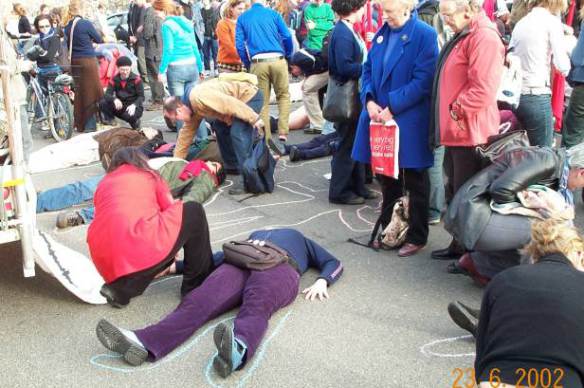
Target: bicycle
{"points": [[52, 104]]}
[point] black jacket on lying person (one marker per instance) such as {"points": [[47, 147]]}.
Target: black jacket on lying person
{"points": [[310, 62], [532, 316], [129, 91], [511, 173]]}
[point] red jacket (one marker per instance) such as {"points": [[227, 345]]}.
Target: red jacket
{"points": [[468, 85], [136, 222]]}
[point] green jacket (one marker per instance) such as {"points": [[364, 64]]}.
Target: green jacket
{"points": [[196, 189], [324, 18]]}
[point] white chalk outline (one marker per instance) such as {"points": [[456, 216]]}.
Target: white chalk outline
{"points": [[424, 348]]}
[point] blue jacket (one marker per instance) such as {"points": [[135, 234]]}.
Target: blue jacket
{"points": [[305, 252], [345, 55], [404, 85], [577, 73], [178, 42], [261, 30], [84, 35]]}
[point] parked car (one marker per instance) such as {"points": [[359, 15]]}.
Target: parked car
{"points": [[118, 22]]}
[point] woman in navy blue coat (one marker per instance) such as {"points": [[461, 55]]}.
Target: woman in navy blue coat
{"points": [[397, 84]]}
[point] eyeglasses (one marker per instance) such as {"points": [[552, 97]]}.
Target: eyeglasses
{"points": [[43, 26]]}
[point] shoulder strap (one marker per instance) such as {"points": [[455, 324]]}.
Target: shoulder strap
{"points": [[75, 20]]}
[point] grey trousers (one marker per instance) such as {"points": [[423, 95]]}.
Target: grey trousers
{"points": [[498, 245]]}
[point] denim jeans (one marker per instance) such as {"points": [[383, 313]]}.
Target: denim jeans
{"points": [[69, 195], [573, 131], [235, 142], [328, 128], [437, 195], [210, 48], [180, 76], [535, 114]]}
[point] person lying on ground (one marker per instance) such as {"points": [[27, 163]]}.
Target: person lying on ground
{"points": [[318, 147], [259, 294], [139, 228], [234, 102], [124, 96], [531, 316], [477, 218]]}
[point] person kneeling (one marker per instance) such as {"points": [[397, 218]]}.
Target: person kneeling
{"points": [[258, 293], [124, 96]]}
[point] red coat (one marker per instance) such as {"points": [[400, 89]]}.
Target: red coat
{"points": [[469, 80], [136, 222]]}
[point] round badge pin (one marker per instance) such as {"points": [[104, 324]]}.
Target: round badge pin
{"points": [[379, 39]]}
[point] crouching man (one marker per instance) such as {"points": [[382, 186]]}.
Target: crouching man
{"points": [[124, 96]]}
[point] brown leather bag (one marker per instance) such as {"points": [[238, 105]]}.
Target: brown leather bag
{"points": [[257, 255]]}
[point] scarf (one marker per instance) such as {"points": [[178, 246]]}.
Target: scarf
{"points": [[45, 38]]}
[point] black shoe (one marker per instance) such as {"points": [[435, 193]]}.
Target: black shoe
{"points": [[294, 155], [273, 124], [67, 219], [462, 318], [474, 312], [230, 353], [277, 147], [112, 298], [137, 124], [356, 200], [371, 195], [446, 254], [115, 340]]}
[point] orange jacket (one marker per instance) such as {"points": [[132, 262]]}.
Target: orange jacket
{"points": [[226, 38]]}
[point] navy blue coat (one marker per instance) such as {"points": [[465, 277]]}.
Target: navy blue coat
{"points": [[345, 55], [405, 86]]}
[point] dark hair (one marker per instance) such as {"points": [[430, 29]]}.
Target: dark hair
{"points": [[172, 103], [221, 175], [129, 155], [346, 7], [39, 18]]}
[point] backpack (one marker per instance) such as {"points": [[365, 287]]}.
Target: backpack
{"points": [[258, 169]]}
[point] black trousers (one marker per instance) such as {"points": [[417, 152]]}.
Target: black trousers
{"points": [[156, 87], [417, 183], [198, 257], [348, 176], [108, 112], [460, 164]]}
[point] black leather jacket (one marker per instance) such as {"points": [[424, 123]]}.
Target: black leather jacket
{"points": [[511, 173]]}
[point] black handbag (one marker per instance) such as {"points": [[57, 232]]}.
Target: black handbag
{"points": [[341, 102], [497, 145]]}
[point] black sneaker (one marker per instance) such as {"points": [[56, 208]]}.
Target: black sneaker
{"points": [[112, 298], [115, 340], [294, 154], [463, 318], [67, 218]]}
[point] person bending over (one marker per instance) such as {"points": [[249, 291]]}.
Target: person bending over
{"points": [[258, 293], [124, 96], [139, 228]]}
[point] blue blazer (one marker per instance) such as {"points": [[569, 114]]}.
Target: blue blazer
{"points": [[405, 86], [345, 56]]}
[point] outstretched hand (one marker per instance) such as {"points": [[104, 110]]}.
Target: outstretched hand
{"points": [[318, 289]]}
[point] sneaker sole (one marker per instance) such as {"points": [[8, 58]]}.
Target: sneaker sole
{"points": [[223, 341], [462, 318], [113, 339]]}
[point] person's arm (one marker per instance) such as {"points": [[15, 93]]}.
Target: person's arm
{"points": [[240, 44], [330, 270], [346, 64], [149, 24], [197, 54], [224, 36], [185, 136], [560, 56], [167, 48], [285, 35], [110, 93], [367, 92], [92, 32], [420, 86]]}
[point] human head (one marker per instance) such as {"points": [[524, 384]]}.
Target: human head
{"points": [[234, 8], [555, 7], [554, 236], [349, 9], [174, 109], [44, 9], [217, 170], [76, 8], [124, 65], [576, 163], [43, 24], [317, 2], [397, 12], [19, 9], [129, 155], [169, 7], [458, 14]]}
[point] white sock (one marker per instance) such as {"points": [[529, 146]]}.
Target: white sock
{"points": [[132, 337]]}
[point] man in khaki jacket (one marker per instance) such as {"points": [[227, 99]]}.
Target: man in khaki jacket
{"points": [[234, 103]]}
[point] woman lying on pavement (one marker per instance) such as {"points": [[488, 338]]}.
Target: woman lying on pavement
{"points": [[481, 214], [139, 228], [259, 293]]}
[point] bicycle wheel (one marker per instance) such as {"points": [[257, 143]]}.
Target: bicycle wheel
{"points": [[62, 127]]}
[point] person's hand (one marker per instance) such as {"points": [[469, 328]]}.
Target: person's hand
{"points": [[385, 115], [310, 25], [133, 39], [369, 36], [161, 77], [259, 124], [201, 76], [374, 111], [118, 104], [318, 289], [131, 110]]}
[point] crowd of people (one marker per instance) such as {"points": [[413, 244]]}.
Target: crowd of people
{"points": [[477, 151]]}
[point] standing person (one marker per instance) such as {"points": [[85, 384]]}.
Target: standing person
{"points": [[227, 57], [102, 26], [24, 27], [464, 113], [198, 22], [319, 19], [149, 230], [50, 42], [81, 35], [538, 41], [346, 56], [264, 44], [573, 130], [397, 85], [136, 13], [153, 54], [210, 13]]}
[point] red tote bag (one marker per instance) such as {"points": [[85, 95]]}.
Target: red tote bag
{"points": [[384, 141]]}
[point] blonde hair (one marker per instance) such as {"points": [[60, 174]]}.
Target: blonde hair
{"points": [[553, 236], [582, 12], [169, 7], [228, 6], [554, 6], [75, 8]]}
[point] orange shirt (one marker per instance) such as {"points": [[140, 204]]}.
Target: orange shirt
{"points": [[226, 38]]}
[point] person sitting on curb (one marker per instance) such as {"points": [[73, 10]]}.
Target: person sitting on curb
{"points": [[234, 101], [259, 294], [318, 147], [124, 96]]}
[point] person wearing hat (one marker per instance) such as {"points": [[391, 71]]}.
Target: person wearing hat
{"points": [[124, 96]]}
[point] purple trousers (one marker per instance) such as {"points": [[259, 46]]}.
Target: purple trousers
{"points": [[260, 294]]}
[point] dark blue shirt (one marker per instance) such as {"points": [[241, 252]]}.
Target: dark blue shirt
{"points": [[261, 30], [84, 36], [305, 252]]}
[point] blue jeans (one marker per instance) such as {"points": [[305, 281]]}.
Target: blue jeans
{"points": [[69, 195], [210, 48], [328, 128], [535, 114], [436, 173], [235, 142], [317, 147]]}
